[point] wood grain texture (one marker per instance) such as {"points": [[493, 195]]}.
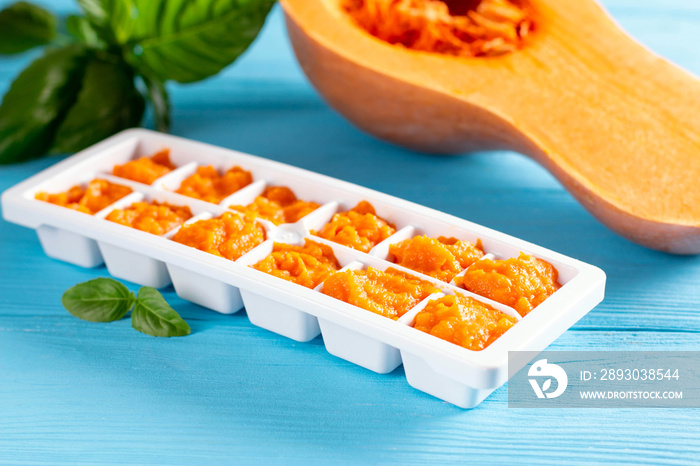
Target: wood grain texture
{"points": [[231, 393]]}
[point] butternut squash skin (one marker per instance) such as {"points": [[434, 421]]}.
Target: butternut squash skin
{"points": [[618, 126]]}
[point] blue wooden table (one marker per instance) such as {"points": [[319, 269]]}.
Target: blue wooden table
{"points": [[75, 391]]}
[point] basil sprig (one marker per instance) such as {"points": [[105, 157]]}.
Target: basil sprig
{"points": [[107, 300], [100, 68]]}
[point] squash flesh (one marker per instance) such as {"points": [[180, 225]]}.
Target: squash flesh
{"points": [[469, 29]]}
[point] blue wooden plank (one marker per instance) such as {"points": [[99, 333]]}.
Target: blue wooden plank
{"points": [[74, 391], [231, 391]]}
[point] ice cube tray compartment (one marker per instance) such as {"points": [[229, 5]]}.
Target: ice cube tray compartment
{"points": [[440, 368]]}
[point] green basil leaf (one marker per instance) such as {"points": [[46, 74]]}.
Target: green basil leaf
{"points": [[38, 100], [186, 40], [153, 316], [98, 300], [96, 10], [112, 18], [86, 32], [107, 103], [24, 26]]}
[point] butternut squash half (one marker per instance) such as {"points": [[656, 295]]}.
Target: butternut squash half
{"points": [[618, 126]]}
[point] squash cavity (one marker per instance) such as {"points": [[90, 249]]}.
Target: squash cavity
{"points": [[465, 28]]}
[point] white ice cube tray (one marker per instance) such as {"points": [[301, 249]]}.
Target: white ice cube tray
{"points": [[440, 368]]}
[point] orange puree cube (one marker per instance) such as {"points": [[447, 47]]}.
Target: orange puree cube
{"points": [[153, 218], [229, 235], [390, 294], [358, 228], [208, 185], [440, 258], [278, 204], [463, 321], [522, 283], [146, 169], [98, 195], [306, 265]]}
